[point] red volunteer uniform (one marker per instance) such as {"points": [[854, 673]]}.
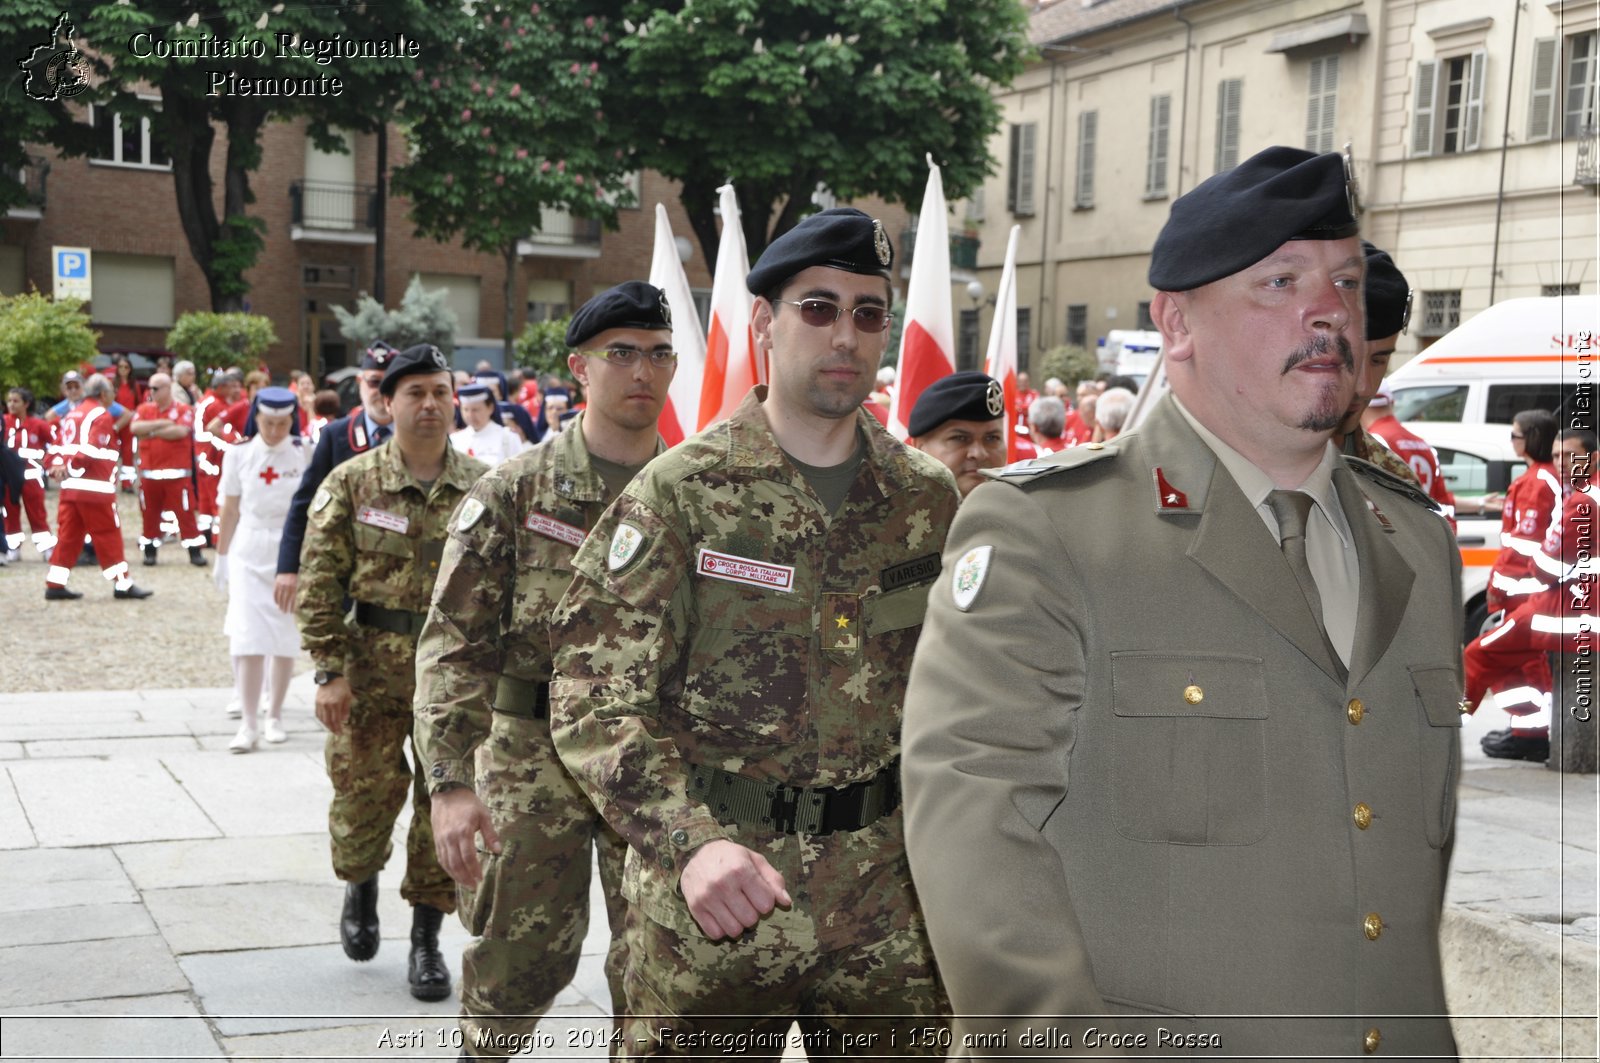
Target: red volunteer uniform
{"points": [[1509, 661], [1533, 505], [89, 450], [207, 461], [1415, 452], [29, 437], [166, 476]]}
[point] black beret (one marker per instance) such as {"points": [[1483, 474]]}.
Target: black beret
{"points": [[1236, 218], [1388, 295], [631, 304], [964, 396], [378, 356], [841, 238], [423, 358]]}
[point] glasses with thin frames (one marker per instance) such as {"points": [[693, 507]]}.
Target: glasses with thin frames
{"points": [[820, 313], [628, 357]]}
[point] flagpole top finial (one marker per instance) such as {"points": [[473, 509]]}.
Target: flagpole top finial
{"points": [[929, 157]]}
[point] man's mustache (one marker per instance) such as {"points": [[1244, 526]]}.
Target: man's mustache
{"points": [[1320, 345]]}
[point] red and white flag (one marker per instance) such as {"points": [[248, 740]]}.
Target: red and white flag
{"points": [[730, 370], [1002, 359], [688, 337], [927, 342]]}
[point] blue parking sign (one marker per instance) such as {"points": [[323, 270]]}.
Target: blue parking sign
{"points": [[72, 265], [73, 272]]}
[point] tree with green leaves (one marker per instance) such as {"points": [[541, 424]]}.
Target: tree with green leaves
{"points": [[422, 317], [177, 48], [222, 341], [515, 126], [41, 338], [789, 96]]}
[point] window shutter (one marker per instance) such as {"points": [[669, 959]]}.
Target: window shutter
{"points": [[1473, 120], [1422, 116], [1229, 94], [1542, 99], [1025, 161], [1322, 103], [1088, 125], [1155, 177], [1011, 169]]}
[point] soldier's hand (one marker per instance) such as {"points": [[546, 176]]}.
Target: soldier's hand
{"points": [[729, 888], [458, 817], [283, 589], [333, 704]]}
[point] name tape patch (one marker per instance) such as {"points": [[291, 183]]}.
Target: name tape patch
{"points": [[909, 573], [737, 569], [550, 528], [380, 518]]}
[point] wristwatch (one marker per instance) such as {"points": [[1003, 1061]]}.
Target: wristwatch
{"points": [[323, 678]]}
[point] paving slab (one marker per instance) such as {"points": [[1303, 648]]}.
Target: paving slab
{"points": [[87, 970], [147, 1028], [11, 751], [106, 802], [245, 794], [264, 915], [111, 747], [37, 731], [80, 922], [15, 830], [223, 861], [315, 987], [33, 879], [398, 1039]]}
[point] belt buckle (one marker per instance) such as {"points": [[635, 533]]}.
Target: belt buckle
{"points": [[785, 804]]}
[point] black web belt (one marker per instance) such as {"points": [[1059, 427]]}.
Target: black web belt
{"points": [[522, 697], [399, 621], [796, 809]]}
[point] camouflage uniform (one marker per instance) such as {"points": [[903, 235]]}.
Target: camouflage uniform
{"points": [[1363, 444], [375, 539], [505, 567], [721, 622]]}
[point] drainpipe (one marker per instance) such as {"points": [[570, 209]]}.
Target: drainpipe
{"points": [[1505, 143], [1183, 113], [1045, 323]]}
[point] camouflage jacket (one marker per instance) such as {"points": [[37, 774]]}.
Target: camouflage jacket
{"points": [[507, 562], [721, 618], [1363, 444], [374, 536]]}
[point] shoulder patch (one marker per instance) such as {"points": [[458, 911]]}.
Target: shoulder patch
{"points": [[625, 543], [471, 510], [1384, 478], [321, 500], [1022, 472], [967, 580]]}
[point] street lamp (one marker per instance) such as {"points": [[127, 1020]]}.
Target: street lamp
{"points": [[975, 292]]}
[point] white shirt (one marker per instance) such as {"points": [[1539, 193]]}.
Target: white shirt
{"points": [[490, 444]]}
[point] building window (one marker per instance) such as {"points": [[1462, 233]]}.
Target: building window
{"points": [[1229, 96], [1083, 196], [1078, 325], [967, 340], [1448, 113], [461, 296], [1019, 183], [702, 302], [1322, 102], [1024, 337], [1441, 312], [1548, 290], [1146, 322], [125, 141], [1583, 76], [132, 290], [1155, 167], [549, 300]]}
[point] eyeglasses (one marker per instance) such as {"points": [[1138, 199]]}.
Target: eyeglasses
{"points": [[1517, 435], [820, 313], [628, 357]]}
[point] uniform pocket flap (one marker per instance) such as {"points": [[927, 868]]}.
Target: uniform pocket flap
{"points": [[1162, 683], [1439, 690], [896, 610], [376, 540]]}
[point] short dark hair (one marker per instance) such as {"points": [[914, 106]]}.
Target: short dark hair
{"points": [[1584, 437], [1538, 428]]}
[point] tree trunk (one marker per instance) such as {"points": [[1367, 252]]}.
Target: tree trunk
{"points": [[699, 201], [510, 253], [190, 137]]}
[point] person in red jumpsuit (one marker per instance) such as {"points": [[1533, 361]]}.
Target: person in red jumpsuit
{"points": [[1527, 510], [165, 430], [85, 463], [207, 454], [1509, 661], [30, 437], [1379, 419]]}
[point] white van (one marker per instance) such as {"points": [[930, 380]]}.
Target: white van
{"points": [[1520, 354], [1131, 352]]}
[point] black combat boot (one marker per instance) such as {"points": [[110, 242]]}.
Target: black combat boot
{"points": [[358, 923], [197, 557], [430, 978], [149, 553]]}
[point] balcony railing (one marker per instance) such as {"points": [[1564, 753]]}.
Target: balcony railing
{"points": [[32, 176], [334, 206], [963, 250], [561, 229], [1587, 172]]}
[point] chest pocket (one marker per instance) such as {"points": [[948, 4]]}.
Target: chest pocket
{"points": [[896, 610], [1189, 744], [748, 668], [372, 540], [1438, 693]]}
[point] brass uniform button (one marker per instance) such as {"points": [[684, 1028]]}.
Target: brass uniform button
{"points": [[1193, 694], [1372, 926], [1355, 710], [1362, 815], [1094, 446], [1465, 706], [1370, 1042]]}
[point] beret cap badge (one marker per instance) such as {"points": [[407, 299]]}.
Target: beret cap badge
{"points": [[880, 242], [995, 398]]}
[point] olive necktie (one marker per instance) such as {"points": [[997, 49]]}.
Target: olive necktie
{"points": [[1291, 509]]}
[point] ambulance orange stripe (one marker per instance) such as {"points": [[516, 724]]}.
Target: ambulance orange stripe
{"points": [[1478, 556], [1519, 359]]}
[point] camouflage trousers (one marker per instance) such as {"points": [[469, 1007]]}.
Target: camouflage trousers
{"points": [[689, 996], [367, 766], [531, 913]]}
